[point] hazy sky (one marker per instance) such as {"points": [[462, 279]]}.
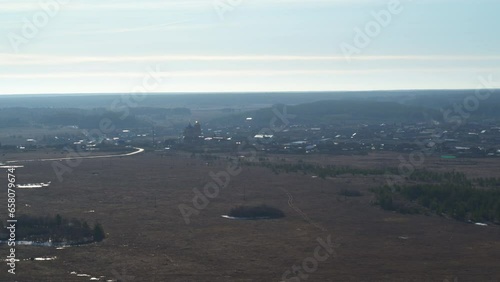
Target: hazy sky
{"points": [[82, 46]]}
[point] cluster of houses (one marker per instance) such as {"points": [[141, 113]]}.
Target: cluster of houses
{"points": [[472, 139]]}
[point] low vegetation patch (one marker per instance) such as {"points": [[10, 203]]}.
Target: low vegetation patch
{"points": [[262, 211], [350, 193], [322, 171]]}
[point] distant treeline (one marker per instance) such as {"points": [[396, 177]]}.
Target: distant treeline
{"points": [[85, 118], [328, 111], [488, 108], [450, 193], [322, 171], [436, 99], [418, 175], [461, 202], [426, 175], [454, 177]]}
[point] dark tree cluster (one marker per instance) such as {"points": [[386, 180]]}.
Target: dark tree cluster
{"points": [[490, 182], [460, 201], [57, 229]]}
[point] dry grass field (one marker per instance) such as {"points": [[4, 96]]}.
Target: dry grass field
{"points": [[136, 200]]}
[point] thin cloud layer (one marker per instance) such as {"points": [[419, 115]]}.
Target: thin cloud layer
{"points": [[258, 44]]}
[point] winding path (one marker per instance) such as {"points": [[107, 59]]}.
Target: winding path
{"points": [[138, 151], [299, 211]]}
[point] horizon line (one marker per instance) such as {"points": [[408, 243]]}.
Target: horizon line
{"points": [[245, 92]]}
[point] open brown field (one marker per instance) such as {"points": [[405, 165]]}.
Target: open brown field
{"points": [[136, 200]]}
